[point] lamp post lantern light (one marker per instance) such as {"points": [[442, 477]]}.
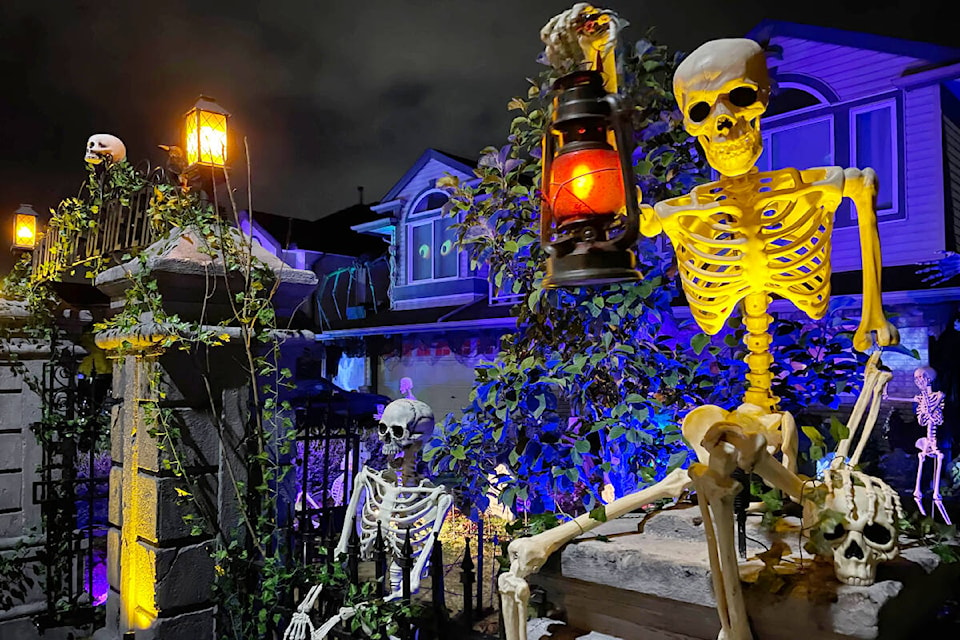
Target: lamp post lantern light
{"points": [[589, 217], [25, 228], [205, 134]]}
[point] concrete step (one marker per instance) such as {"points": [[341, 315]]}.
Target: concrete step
{"points": [[657, 585]]}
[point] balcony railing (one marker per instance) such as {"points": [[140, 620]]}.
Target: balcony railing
{"points": [[117, 230]]}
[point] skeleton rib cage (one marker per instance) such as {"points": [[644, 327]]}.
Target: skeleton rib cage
{"points": [[397, 509], [733, 240]]}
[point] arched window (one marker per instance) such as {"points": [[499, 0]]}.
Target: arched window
{"points": [[431, 240]]}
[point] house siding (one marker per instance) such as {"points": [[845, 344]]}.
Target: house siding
{"points": [[851, 72], [858, 75]]}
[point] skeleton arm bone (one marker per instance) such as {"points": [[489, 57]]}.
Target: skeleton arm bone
{"points": [[350, 520], [527, 555], [861, 187]]}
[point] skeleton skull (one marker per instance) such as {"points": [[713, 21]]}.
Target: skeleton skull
{"points": [[404, 424], [723, 89], [867, 533], [924, 377], [103, 146]]}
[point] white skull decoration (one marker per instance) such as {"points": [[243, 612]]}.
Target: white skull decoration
{"points": [[722, 89], [867, 535], [103, 146], [405, 423]]}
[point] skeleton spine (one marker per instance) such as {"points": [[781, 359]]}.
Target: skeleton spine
{"points": [[757, 340]]}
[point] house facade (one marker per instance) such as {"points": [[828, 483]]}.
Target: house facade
{"points": [[840, 99]]}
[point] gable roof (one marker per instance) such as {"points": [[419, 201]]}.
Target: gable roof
{"points": [[767, 29], [330, 234], [456, 163]]}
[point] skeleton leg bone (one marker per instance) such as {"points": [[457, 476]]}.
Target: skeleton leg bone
{"points": [[715, 493], [527, 555], [917, 492], [937, 499]]}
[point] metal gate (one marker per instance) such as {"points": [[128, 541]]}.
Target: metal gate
{"points": [[328, 457], [73, 490]]}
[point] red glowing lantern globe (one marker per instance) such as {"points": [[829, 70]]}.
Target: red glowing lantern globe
{"points": [[585, 183]]}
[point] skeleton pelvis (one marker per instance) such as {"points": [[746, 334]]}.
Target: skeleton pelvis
{"points": [[750, 418]]}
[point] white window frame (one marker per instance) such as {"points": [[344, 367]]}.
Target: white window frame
{"points": [[423, 218], [890, 103]]}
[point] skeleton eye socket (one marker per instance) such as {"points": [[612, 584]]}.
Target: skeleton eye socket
{"points": [[382, 428], [699, 112], [743, 96], [877, 534], [397, 431], [838, 531]]}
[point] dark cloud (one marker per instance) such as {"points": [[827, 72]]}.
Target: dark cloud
{"points": [[328, 95]]}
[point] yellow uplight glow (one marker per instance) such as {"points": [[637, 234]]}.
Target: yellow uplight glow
{"points": [[206, 134]]}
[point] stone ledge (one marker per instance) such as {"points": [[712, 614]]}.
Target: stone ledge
{"points": [[666, 570]]}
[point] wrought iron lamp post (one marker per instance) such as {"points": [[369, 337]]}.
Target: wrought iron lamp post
{"points": [[589, 216]]}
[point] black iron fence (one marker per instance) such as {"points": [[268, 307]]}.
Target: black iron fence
{"points": [[73, 492]]}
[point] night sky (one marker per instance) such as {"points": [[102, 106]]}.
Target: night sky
{"points": [[329, 95]]}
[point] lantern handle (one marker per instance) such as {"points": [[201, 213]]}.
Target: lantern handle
{"points": [[620, 111], [546, 213]]}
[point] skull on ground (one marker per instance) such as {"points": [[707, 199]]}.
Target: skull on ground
{"points": [[404, 424], [103, 146], [723, 88], [866, 535]]}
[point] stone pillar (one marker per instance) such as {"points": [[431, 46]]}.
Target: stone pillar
{"points": [[159, 560]]}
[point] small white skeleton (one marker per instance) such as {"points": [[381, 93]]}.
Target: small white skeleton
{"points": [[396, 505], [929, 408], [103, 146]]}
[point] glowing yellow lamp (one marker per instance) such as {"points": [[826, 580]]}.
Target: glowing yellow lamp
{"points": [[205, 134], [25, 228]]}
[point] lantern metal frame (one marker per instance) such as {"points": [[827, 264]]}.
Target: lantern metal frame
{"points": [[589, 250], [24, 213]]}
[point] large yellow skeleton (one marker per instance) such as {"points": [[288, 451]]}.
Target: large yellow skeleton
{"points": [[739, 240], [752, 234]]}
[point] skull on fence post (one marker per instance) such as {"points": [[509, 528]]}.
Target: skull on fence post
{"points": [[723, 88], [405, 425], [866, 535], [103, 146]]}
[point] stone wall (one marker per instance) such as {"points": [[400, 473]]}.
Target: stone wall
{"points": [[20, 455]]}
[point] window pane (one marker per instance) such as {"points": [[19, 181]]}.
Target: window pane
{"points": [[763, 162], [874, 148], [445, 240], [808, 145], [421, 252]]}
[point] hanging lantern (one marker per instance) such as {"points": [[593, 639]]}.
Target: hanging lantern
{"points": [[25, 228], [588, 224], [205, 134]]}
